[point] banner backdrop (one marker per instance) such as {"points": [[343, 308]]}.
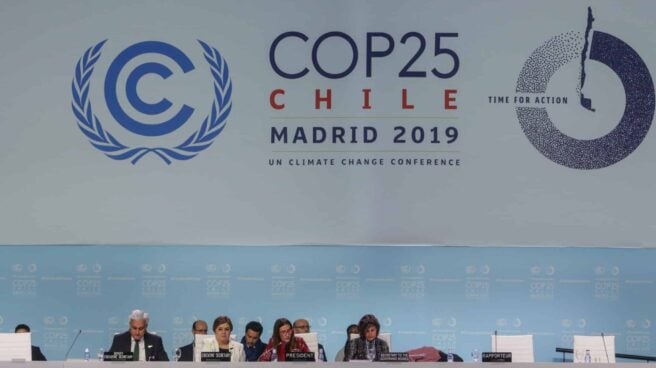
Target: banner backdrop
{"points": [[447, 297], [327, 122]]}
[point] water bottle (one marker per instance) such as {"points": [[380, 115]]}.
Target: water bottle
{"points": [[449, 356], [274, 355], [87, 354], [322, 355], [475, 355], [588, 357]]}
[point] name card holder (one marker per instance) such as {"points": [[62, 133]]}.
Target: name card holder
{"points": [[497, 357], [299, 357], [401, 357], [118, 356], [214, 356]]}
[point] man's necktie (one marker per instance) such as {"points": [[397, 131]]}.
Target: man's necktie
{"points": [[135, 354]]}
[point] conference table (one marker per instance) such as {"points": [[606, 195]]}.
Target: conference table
{"points": [[97, 364]]}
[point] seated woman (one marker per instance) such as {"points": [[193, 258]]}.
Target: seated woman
{"points": [[282, 341], [368, 346], [221, 342]]}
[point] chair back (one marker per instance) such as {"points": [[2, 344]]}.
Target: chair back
{"points": [[521, 347], [602, 348]]}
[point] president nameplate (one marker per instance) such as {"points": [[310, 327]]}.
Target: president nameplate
{"points": [[299, 357]]}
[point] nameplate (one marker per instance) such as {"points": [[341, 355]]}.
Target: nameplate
{"points": [[299, 357], [394, 357], [497, 357], [117, 356], [214, 356]]}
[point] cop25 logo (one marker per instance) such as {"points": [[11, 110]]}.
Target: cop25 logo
{"points": [[623, 61], [91, 126]]}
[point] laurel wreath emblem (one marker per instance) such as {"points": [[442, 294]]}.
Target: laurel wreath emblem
{"points": [[104, 141]]}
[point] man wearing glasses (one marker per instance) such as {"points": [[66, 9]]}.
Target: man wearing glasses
{"points": [[143, 345], [187, 352]]}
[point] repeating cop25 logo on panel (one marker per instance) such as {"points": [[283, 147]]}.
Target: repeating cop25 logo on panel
{"points": [[152, 100], [584, 100]]}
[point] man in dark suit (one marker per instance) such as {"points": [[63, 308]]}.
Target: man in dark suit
{"points": [[37, 355], [303, 326], [253, 346], [143, 345], [187, 351]]}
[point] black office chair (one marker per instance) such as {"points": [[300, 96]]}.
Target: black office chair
{"points": [[444, 359]]}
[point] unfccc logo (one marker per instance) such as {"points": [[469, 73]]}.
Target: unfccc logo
{"points": [[154, 119]]}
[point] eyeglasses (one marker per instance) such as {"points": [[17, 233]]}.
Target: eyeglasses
{"points": [[201, 330], [286, 332], [303, 326]]}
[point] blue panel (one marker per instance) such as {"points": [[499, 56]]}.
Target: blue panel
{"points": [[441, 296]]}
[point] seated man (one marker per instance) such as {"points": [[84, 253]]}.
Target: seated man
{"points": [[351, 329], [187, 352], [303, 326], [37, 355], [253, 346], [143, 345]]}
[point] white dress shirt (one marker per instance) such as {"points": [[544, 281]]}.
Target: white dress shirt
{"points": [[236, 349], [142, 349]]}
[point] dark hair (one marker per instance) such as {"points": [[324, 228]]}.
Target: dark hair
{"points": [[275, 337], [366, 321], [254, 326], [22, 326], [348, 333], [221, 320], [193, 325]]}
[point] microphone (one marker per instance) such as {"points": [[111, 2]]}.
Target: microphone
{"points": [[495, 341], [603, 340], [71, 347]]}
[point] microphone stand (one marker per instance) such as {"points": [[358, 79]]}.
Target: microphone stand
{"points": [[71, 347]]}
